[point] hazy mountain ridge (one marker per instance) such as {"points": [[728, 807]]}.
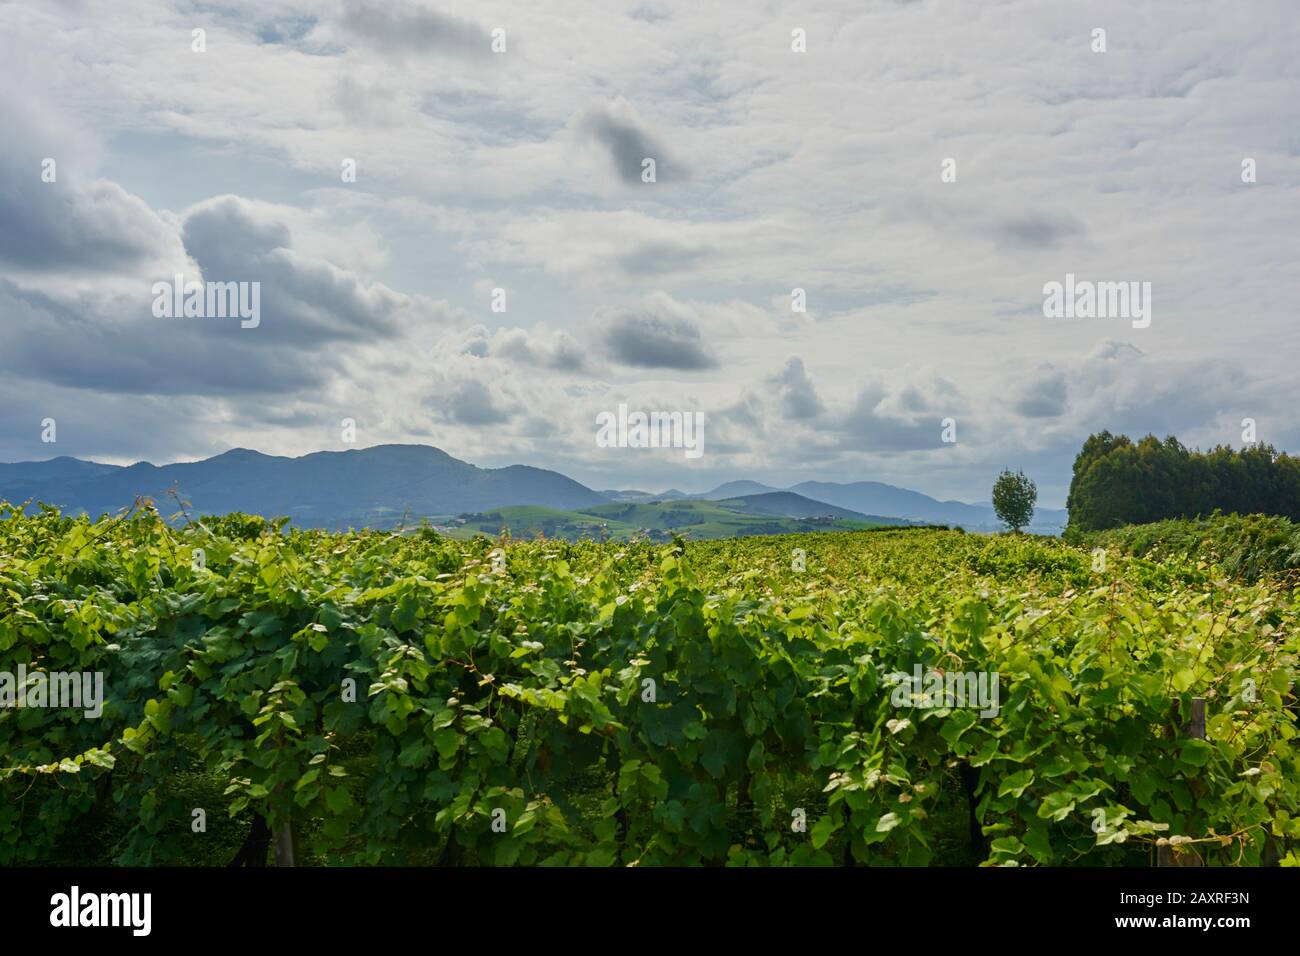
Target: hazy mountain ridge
{"points": [[381, 485], [877, 498], [54, 468], [738, 489], [377, 485]]}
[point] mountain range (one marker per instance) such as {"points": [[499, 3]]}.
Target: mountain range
{"points": [[383, 485], [873, 498]]}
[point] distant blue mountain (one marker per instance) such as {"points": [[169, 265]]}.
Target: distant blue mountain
{"points": [[383, 485], [873, 497], [55, 469], [737, 489], [878, 499], [373, 486]]}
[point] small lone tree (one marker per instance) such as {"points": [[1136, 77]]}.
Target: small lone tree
{"points": [[1013, 499]]}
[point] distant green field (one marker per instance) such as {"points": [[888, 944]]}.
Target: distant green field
{"points": [[690, 518]]}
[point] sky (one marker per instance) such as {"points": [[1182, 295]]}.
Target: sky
{"points": [[920, 170]]}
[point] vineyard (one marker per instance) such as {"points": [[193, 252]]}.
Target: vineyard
{"points": [[403, 698], [1249, 548]]}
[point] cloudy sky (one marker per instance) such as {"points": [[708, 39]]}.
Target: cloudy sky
{"points": [[774, 170]]}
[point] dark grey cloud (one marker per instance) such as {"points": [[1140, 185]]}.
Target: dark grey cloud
{"points": [[654, 258], [222, 235], [67, 228], [629, 145], [540, 348], [470, 402], [653, 337], [1037, 230], [795, 392], [69, 225], [1043, 396], [119, 347], [907, 420], [112, 342], [561, 352], [397, 26], [1024, 230], [304, 302]]}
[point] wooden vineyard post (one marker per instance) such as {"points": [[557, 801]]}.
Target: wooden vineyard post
{"points": [[286, 847], [1193, 728], [1196, 726]]}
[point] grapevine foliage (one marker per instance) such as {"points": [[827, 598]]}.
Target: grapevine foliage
{"points": [[637, 704]]}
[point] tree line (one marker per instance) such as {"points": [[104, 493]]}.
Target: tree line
{"points": [[1118, 481]]}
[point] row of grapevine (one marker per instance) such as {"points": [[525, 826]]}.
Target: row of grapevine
{"points": [[402, 698], [1249, 547]]}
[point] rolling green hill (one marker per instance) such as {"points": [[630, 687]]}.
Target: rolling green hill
{"points": [[659, 520], [790, 505]]}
